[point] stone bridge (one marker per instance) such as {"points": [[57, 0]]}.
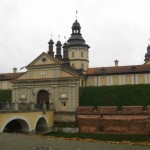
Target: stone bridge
{"points": [[25, 120]]}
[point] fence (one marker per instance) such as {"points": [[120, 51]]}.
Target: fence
{"points": [[25, 106]]}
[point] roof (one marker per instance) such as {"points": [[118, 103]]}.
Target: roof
{"points": [[10, 76], [118, 70]]}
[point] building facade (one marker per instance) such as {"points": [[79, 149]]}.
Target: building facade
{"points": [[54, 78]]}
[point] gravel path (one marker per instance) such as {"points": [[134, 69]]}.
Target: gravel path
{"points": [[28, 142]]}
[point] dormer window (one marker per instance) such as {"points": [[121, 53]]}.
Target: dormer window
{"points": [[133, 68], [103, 70]]}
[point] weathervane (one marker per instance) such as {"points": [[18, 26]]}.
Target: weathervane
{"points": [[51, 36], [65, 38], [76, 14], [58, 37]]}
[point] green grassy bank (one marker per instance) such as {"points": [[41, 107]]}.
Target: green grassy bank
{"points": [[102, 137], [5, 95], [125, 95]]}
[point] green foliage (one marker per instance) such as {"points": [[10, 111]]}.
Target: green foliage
{"points": [[5, 95], [102, 137], [122, 95]]}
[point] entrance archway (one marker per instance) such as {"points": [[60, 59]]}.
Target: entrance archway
{"points": [[43, 97], [41, 126], [17, 126]]}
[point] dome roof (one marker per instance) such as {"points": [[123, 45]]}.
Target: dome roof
{"points": [[76, 36], [65, 44], [51, 42], [58, 43], [76, 24]]}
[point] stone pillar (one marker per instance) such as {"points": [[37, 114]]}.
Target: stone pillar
{"points": [[44, 106], [51, 106], [16, 106], [32, 106], [7, 105]]}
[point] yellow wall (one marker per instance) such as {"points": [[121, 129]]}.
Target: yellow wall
{"points": [[103, 80], [128, 79], [30, 117], [5, 85], [77, 58], [90, 81], [141, 78], [115, 79], [118, 79]]}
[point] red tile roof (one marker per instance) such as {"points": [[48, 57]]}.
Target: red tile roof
{"points": [[119, 70], [10, 76]]}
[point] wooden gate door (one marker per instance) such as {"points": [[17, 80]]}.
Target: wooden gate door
{"points": [[43, 97]]}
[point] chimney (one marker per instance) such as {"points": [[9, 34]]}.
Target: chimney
{"points": [[116, 62], [14, 70]]}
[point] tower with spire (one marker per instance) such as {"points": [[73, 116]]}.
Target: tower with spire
{"points": [[50, 51], [77, 48], [147, 55]]}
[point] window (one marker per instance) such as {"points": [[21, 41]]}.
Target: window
{"points": [[43, 59], [81, 54], [82, 66], [72, 54], [42, 74]]}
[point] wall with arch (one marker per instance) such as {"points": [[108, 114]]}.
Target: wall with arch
{"points": [[28, 120]]}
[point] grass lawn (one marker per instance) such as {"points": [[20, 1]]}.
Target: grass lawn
{"points": [[102, 137]]}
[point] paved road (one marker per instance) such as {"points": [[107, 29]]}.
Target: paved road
{"points": [[28, 142]]}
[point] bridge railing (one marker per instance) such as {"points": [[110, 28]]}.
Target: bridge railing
{"points": [[25, 106]]}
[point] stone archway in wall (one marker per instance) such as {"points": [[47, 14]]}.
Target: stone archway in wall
{"points": [[43, 97], [41, 126], [17, 126]]}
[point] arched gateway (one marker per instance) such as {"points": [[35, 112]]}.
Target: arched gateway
{"points": [[43, 97]]}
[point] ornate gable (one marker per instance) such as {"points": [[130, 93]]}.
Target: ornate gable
{"points": [[44, 59]]}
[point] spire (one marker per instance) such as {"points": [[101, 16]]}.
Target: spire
{"points": [[76, 14], [58, 50], [65, 50], [147, 55], [148, 42], [65, 55], [50, 43]]}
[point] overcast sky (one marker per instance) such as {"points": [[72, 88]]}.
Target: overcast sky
{"points": [[114, 29]]}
